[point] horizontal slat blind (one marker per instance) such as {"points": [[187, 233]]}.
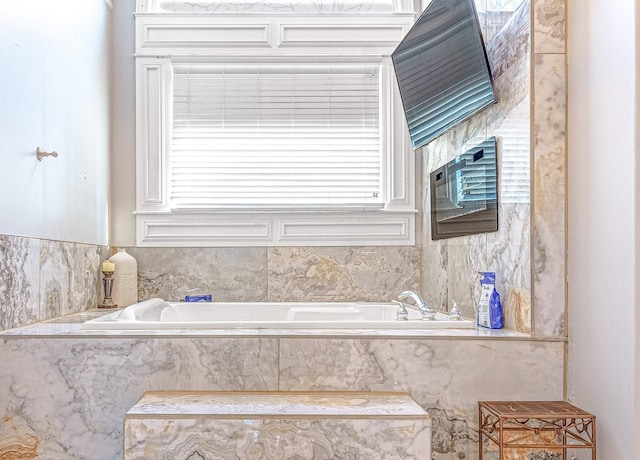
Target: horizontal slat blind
{"points": [[275, 136], [515, 180]]}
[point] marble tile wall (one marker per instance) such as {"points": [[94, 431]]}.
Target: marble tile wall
{"points": [[41, 279], [45, 279], [549, 168], [278, 274], [70, 401], [526, 47]]}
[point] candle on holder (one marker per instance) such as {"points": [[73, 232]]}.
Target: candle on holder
{"points": [[108, 266], [108, 269]]}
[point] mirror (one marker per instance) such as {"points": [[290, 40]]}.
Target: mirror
{"points": [[464, 198], [442, 70]]}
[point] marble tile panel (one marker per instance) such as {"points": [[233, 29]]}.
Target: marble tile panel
{"points": [[342, 273], [509, 257], [508, 250], [511, 42], [447, 378], [19, 281], [71, 398], [261, 425], [69, 278], [435, 274], [499, 15], [340, 404], [513, 91], [549, 25], [549, 211], [275, 439], [229, 274], [87, 277], [467, 257], [549, 127]]}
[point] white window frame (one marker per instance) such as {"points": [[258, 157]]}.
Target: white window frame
{"points": [[165, 39]]}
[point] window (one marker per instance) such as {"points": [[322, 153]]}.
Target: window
{"points": [[274, 136], [265, 130]]}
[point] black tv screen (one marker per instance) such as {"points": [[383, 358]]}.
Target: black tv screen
{"points": [[442, 69]]}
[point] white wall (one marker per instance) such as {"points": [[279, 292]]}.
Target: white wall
{"points": [[54, 94], [123, 140], [603, 221]]}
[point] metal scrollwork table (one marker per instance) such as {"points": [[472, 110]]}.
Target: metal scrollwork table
{"points": [[555, 426]]}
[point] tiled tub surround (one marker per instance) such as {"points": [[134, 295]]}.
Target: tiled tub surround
{"points": [[71, 398], [42, 279], [335, 274], [276, 425]]}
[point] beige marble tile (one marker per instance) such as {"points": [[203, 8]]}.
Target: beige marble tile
{"points": [[275, 439], [69, 278], [512, 42], [19, 281], [315, 404], [228, 274], [435, 266], [340, 274], [499, 14], [74, 393], [549, 213], [447, 378], [508, 250], [106, 375], [509, 257], [549, 24]]}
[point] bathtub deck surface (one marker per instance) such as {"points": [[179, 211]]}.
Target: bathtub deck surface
{"points": [[70, 326]]}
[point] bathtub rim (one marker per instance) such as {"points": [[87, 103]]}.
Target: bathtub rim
{"points": [[111, 322]]}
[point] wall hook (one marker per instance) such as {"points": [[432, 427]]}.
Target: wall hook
{"points": [[41, 154]]}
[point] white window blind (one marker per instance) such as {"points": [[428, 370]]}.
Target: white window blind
{"points": [[275, 136]]}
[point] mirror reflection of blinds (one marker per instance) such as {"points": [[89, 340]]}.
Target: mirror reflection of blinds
{"points": [[447, 108], [275, 136], [515, 179]]}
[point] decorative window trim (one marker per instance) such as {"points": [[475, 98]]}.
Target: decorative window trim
{"points": [[165, 39], [155, 6]]}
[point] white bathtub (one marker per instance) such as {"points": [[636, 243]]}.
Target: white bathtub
{"points": [[157, 314]]}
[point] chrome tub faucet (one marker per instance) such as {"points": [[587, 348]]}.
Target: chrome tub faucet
{"points": [[426, 312]]}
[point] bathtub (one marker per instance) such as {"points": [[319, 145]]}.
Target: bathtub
{"points": [[156, 314]]}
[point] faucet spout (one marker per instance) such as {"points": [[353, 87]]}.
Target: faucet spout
{"points": [[425, 310]]}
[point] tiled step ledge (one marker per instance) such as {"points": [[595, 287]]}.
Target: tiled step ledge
{"points": [[177, 424]]}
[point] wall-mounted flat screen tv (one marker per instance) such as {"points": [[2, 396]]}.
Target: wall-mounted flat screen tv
{"points": [[442, 69]]}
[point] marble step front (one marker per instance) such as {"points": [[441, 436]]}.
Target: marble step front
{"points": [[195, 425]]}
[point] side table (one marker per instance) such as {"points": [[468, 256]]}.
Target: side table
{"points": [[528, 425]]}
